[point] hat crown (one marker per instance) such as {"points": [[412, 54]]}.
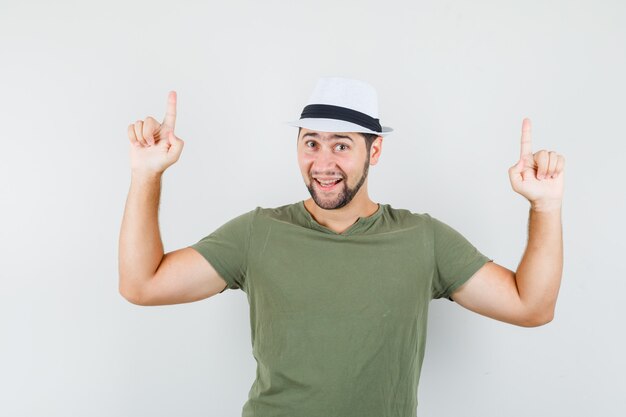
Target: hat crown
{"points": [[346, 92]]}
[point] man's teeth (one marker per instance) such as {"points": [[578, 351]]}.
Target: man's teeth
{"points": [[326, 183]]}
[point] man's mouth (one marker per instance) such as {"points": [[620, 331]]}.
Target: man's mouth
{"points": [[327, 185]]}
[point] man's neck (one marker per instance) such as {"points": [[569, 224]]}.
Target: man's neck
{"points": [[341, 219]]}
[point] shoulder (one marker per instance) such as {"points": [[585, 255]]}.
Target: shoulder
{"points": [[279, 212], [424, 219], [405, 216], [287, 213], [266, 212]]}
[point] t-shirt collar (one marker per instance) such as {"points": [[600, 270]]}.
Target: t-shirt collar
{"points": [[361, 224]]}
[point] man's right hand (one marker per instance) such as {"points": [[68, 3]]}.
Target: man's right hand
{"points": [[154, 147]]}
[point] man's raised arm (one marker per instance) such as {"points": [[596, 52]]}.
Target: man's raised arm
{"points": [[528, 296], [153, 149]]}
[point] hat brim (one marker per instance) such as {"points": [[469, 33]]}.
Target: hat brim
{"points": [[334, 125]]}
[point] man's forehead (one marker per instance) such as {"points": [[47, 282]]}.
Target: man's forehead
{"points": [[326, 135]]}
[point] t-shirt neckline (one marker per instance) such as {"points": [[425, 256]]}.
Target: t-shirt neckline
{"points": [[360, 224]]}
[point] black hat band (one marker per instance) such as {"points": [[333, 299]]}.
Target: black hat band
{"points": [[328, 111]]}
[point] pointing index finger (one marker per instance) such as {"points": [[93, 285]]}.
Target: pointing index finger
{"points": [[526, 148], [170, 113]]}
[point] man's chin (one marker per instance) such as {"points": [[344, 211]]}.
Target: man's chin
{"points": [[329, 205], [332, 203], [325, 203]]}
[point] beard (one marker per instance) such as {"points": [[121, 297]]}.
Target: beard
{"points": [[345, 194]]}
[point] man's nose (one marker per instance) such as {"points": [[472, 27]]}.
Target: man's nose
{"points": [[325, 159]]}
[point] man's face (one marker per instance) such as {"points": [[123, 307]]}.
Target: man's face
{"points": [[334, 166]]}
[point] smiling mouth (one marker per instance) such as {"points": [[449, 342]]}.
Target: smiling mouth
{"points": [[327, 185]]}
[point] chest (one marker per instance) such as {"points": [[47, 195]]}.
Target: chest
{"points": [[315, 275]]}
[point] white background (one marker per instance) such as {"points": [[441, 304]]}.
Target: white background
{"points": [[454, 78]]}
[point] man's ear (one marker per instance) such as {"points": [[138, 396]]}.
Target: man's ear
{"points": [[375, 150]]}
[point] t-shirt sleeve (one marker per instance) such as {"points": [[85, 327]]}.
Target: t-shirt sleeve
{"points": [[227, 247], [456, 260]]}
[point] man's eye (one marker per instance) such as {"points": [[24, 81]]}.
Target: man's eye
{"points": [[308, 143], [344, 146]]}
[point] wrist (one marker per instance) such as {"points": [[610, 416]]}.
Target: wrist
{"points": [[546, 206], [145, 176]]}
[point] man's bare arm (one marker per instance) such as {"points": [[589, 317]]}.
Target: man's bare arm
{"points": [[539, 273], [528, 297], [140, 245], [146, 275]]}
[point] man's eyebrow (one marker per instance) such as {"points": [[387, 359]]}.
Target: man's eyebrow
{"points": [[316, 135]]}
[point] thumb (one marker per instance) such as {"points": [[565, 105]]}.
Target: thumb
{"points": [[515, 172], [174, 141], [176, 144], [519, 167]]}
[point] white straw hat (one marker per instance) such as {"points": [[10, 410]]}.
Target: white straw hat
{"points": [[342, 105]]}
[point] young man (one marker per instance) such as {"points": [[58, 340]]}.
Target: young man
{"points": [[338, 285]]}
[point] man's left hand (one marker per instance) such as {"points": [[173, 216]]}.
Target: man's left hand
{"points": [[538, 176]]}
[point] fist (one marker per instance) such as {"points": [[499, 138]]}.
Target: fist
{"points": [[538, 176], [154, 146]]}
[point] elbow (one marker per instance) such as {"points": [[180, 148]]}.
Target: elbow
{"points": [[538, 319], [132, 295]]}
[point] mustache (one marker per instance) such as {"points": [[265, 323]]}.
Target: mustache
{"points": [[327, 174]]}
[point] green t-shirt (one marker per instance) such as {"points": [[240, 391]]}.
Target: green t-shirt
{"points": [[338, 320]]}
